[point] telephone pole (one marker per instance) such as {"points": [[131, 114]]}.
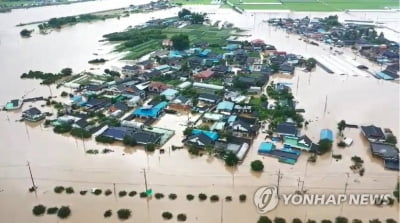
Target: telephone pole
{"points": [[145, 178], [279, 179], [115, 192], [222, 210], [298, 185], [33, 182]]}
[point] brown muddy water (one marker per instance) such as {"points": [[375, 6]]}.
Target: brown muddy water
{"points": [[61, 160]]}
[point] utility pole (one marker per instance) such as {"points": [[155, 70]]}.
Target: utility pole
{"points": [[298, 185], [326, 104], [346, 184], [222, 210], [297, 86], [33, 182], [115, 192], [279, 179], [145, 178]]}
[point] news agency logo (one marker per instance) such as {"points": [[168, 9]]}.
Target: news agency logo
{"points": [[266, 199]]}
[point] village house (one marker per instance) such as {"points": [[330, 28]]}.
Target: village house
{"points": [[373, 133], [33, 114], [169, 94], [204, 75], [286, 129], [244, 127], [207, 88], [158, 87], [225, 107]]}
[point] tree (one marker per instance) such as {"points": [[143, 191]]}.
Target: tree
{"points": [[181, 217], [167, 215], [198, 18], [310, 63], [129, 141], [38, 210], [180, 42], [188, 131], [390, 220], [107, 213], [150, 147], [396, 193], [257, 165], [356, 221], [64, 212], [296, 220], [341, 220], [25, 33], [124, 214], [231, 159], [326, 221], [324, 145], [279, 220], [264, 219], [66, 71], [341, 126], [390, 138], [183, 13]]}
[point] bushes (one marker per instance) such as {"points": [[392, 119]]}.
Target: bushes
{"points": [[202, 196], [181, 217], [214, 198], [296, 220], [132, 193], [129, 141], [52, 210], [324, 145], [83, 192], [356, 221], [143, 194], [81, 133], [159, 195], [279, 220], [97, 191], [59, 189], [264, 219], [242, 198], [64, 212], [104, 139], [326, 221], [311, 221], [172, 196], [60, 129], [167, 215], [107, 214], [38, 210], [150, 147], [231, 159], [341, 220], [228, 198], [189, 197], [108, 192], [257, 165], [124, 214], [69, 190], [341, 144], [391, 220], [122, 193]]}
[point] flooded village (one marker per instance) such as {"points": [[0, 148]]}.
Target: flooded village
{"points": [[178, 114]]}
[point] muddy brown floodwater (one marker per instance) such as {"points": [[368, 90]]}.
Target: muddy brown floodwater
{"points": [[61, 160]]}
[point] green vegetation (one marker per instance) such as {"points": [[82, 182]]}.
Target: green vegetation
{"points": [[396, 192], [139, 42], [52, 210], [341, 220], [59, 189], [341, 144], [296, 220], [132, 193], [47, 78], [214, 198], [80, 133], [122, 193], [150, 147], [83, 192], [159, 196], [97, 191], [228, 198], [124, 214], [180, 42], [242, 197], [172, 196], [104, 139], [64, 212], [143, 194], [279, 220], [167, 215], [26, 33], [231, 159], [69, 190], [341, 126], [97, 61], [107, 192], [324, 145], [190, 197], [257, 165], [264, 219], [181, 217], [92, 151], [391, 139], [202, 196], [107, 214], [39, 210]]}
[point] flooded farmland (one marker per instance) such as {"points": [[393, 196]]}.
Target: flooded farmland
{"points": [[61, 160]]}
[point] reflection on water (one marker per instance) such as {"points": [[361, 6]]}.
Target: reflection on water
{"points": [[61, 160]]}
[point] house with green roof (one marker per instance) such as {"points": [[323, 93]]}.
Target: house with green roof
{"points": [[301, 143]]}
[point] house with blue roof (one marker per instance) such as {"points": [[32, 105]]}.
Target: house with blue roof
{"points": [[225, 107], [163, 68], [201, 138], [204, 53], [151, 111], [212, 135], [284, 155], [170, 94], [326, 134]]}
